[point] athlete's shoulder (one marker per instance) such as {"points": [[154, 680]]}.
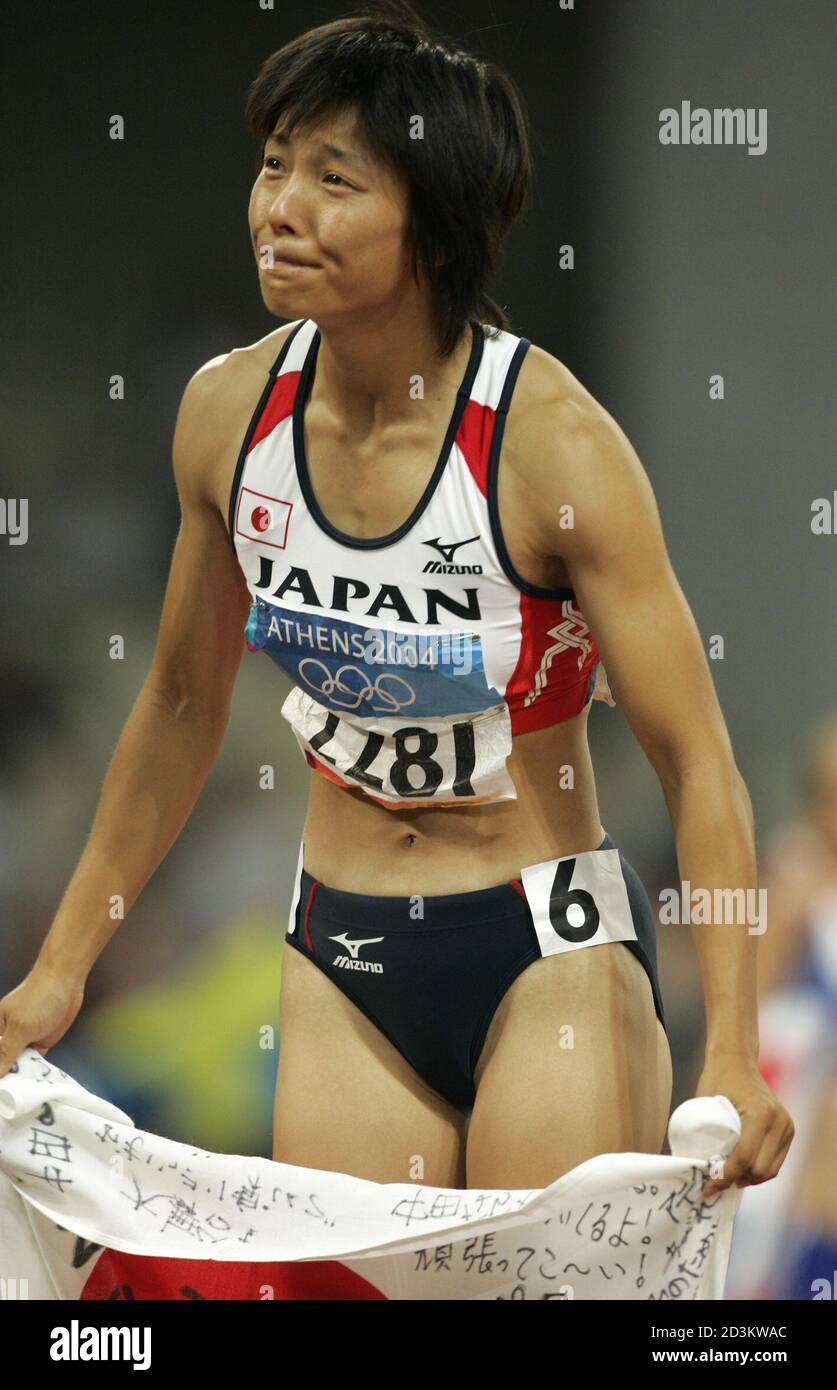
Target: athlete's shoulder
{"points": [[229, 384], [240, 365], [550, 414], [565, 447], [551, 397], [262, 354], [216, 403]]}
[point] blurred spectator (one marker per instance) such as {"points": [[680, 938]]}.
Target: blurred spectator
{"points": [[786, 1231]]}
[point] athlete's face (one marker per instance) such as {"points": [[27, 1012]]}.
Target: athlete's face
{"points": [[343, 213]]}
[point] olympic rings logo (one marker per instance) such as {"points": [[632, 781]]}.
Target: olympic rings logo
{"points": [[383, 687]]}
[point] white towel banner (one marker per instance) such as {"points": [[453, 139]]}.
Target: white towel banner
{"points": [[93, 1208]]}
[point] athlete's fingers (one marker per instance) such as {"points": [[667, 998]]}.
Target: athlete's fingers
{"points": [[738, 1164], [12, 1043], [771, 1154]]}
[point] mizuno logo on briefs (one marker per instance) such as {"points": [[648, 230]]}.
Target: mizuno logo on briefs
{"points": [[351, 962], [338, 591], [446, 550]]}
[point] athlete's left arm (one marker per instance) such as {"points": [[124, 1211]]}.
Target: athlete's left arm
{"points": [[626, 588]]}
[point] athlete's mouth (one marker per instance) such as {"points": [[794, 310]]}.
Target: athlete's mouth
{"points": [[283, 258], [283, 270]]}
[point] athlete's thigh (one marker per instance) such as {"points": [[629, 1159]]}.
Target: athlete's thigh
{"points": [[346, 1100], [575, 1064]]}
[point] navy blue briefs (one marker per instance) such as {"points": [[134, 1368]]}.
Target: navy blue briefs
{"points": [[429, 972]]}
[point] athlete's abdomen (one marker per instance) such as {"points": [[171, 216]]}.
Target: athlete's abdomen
{"points": [[352, 842]]}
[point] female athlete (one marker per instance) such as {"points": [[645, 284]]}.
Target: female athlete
{"points": [[439, 535]]}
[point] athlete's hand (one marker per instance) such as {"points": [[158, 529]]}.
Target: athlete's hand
{"points": [[37, 1012], [766, 1127]]}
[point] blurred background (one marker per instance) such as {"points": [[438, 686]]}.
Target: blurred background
{"points": [[132, 257]]}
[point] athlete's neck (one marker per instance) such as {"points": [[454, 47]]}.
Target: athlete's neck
{"points": [[371, 374]]}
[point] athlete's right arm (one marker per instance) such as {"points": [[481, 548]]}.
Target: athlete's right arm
{"points": [[167, 746]]}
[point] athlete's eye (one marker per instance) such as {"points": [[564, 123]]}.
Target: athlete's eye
{"points": [[271, 159]]}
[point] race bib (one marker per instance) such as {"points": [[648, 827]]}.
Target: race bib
{"points": [[407, 716], [432, 761]]}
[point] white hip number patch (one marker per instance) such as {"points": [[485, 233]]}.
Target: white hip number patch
{"points": [[579, 900]]}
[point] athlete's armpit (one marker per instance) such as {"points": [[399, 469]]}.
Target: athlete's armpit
{"points": [[625, 586]]}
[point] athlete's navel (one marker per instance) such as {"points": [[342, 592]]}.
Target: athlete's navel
{"points": [[410, 839]]}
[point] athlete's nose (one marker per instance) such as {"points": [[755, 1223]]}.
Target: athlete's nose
{"points": [[286, 207]]}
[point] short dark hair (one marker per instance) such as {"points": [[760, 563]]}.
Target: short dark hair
{"points": [[468, 181]]}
